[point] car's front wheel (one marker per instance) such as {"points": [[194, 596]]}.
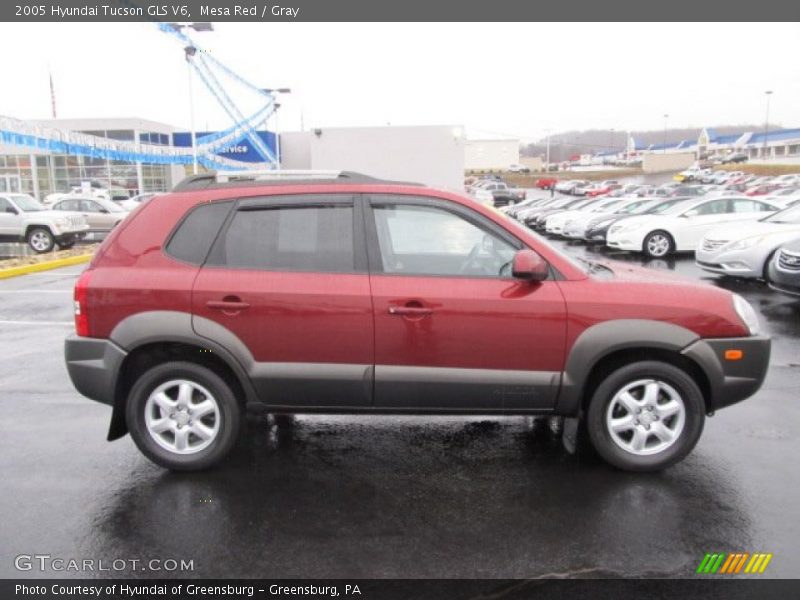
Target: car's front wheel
{"points": [[183, 416], [41, 240], [646, 416], [658, 244]]}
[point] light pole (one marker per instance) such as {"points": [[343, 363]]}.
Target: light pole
{"points": [[611, 145], [189, 52], [664, 149], [547, 160], [277, 133], [768, 93]]}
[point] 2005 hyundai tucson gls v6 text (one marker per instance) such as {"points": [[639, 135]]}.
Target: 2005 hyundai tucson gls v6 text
{"points": [[339, 293]]}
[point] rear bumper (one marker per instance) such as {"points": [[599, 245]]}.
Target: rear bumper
{"points": [[93, 365], [731, 381]]}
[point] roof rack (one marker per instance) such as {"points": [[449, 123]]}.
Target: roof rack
{"points": [[222, 179], [273, 174]]}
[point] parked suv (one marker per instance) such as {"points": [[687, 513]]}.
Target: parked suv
{"points": [[23, 219], [346, 294]]}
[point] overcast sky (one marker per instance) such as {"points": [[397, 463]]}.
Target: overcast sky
{"points": [[515, 79]]}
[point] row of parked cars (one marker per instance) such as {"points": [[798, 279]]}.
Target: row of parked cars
{"points": [[731, 233], [63, 219]]}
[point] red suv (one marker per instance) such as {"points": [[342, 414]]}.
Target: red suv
{"points": [[347, 294]]}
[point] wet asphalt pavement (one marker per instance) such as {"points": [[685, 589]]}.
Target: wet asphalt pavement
{"points": [[359, 497]]}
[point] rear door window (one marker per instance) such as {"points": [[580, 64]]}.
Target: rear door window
{"points": [[305, 234]]}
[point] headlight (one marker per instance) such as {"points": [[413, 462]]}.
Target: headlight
{"points": [[746, 243], [746, 313], [631, 227]]}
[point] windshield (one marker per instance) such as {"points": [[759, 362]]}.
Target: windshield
{"points": [[606, 205], [111, 207], [679, 206], [580, 203], [787, 215], [632, 207], [26, 203], [659, 207]]}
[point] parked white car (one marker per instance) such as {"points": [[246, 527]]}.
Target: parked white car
{"points": [[567, 186], [745, 249], [24, 219], [483, 194], [789, 179], [784, 196], [575, 226], [133, 203], [555, 223], [681, 228]]}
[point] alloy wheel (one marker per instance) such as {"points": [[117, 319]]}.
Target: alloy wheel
{"points": [[182, 416], [646, 417]]}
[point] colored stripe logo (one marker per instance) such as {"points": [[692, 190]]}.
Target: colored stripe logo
{"points": [[720, 563]]}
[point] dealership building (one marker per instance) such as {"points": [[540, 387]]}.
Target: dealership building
{"points": [[40, 173], [432, 155]]}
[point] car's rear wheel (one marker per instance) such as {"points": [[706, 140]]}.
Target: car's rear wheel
{"points": [[41, 240], [658, 244], [183, 416], [646, 416]]}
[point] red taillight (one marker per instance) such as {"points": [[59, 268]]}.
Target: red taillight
{"points": [[81, 304]]}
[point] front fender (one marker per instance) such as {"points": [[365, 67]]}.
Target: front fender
{"points": [[603, 339]]}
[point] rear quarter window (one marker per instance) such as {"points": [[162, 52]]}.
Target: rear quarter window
{"points": [[192, 240]]}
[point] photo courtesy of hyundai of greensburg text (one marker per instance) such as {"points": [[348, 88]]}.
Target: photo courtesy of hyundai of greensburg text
{"points": [[399, 301]]}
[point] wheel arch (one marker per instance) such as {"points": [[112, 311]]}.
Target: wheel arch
{"points": [[31, 226], [606, 346], [154, 337]]}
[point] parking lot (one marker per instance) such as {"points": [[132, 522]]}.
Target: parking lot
{"points": [[353, 497]]}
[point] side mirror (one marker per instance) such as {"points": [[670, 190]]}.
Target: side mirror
{"points": [[104, 211], [528, 265], [12, 210]]}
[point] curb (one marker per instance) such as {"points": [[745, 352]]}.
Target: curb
{"points": [[45, 266]]}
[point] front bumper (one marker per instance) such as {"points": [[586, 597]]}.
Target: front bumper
{"points": [[784, 282], [596, 235], [731, 380], [624, 241], [93, 365], [737, 263]]}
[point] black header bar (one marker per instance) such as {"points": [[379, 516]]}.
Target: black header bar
{"points": [[398, 10]]}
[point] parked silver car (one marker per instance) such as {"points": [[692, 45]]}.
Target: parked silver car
{"points": [[745, 249], [101, 214]]}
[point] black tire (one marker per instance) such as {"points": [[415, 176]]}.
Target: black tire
{"points": [[694, 416], [652, 237], [230, 416], [40, 240]]}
